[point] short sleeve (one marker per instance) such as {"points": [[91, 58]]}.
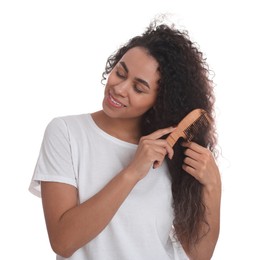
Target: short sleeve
{"points": [[55, 158]]}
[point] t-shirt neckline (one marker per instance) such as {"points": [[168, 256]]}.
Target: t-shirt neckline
{"points": [[108, 136]]}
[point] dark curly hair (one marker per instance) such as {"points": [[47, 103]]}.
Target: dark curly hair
{"points": [[184, 85]]}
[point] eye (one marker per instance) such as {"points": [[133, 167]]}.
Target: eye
{"points": [[120, 75], [120, 72], [137, 89]]}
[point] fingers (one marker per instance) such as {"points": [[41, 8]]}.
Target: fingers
{"points": [[195, 147], [200, 163], [159, 133], [159, 155], [190, 162], [154, 148], [161, 142]]}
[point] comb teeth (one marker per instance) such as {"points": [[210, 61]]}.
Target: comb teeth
{"points": [[193, 129], [189, 126]]}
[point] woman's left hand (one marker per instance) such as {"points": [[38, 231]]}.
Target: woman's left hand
{"points": [[201, 164]]}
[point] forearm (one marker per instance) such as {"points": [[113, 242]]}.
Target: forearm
{"points": [[84, 222], [204, 249]]}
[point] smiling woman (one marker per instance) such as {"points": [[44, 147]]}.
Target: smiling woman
{"points": [[111, 185]]}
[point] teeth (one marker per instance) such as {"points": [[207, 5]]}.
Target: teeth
{"points": [[115, 102]]}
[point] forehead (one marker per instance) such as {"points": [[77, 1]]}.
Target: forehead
{"points": [[139, 61]]}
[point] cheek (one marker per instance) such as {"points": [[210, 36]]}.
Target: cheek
{"points": [[146, 103]]}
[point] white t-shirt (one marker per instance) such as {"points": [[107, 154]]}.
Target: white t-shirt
{"points": [[77, 152]]}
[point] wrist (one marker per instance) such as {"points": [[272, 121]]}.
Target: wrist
{"points": [[213, 187], [130, 176]]}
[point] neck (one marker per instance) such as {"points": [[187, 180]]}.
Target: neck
{"points": [[124, 129]]}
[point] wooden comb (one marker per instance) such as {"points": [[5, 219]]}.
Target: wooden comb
{"points": [[189, 126]]}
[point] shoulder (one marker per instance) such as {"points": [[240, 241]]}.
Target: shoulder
{"points": [[63, 125], [69, 120]]}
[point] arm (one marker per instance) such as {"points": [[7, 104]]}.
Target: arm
{"points": [[70, 226], [199, 162]]}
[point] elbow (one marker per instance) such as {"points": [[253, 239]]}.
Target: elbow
{"points": [[198, 256], [205, 256], [63, 249], [204, 251]]}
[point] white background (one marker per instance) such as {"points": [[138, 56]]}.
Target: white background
{"points": [[52, 54]]}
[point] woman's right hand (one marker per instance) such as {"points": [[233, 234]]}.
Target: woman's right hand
{"points": [[151, 151]]}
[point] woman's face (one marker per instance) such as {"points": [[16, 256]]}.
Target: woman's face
{"points": [[131, 87]]}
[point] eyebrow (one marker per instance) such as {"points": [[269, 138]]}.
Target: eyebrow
{"points": [[145, 83]]}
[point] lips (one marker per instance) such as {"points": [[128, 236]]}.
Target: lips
{"points": [[114, 102]]}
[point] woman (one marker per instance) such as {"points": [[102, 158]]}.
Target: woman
{"points": [[111, 186]]}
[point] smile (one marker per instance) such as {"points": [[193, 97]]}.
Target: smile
{"points": [[114, 102]]}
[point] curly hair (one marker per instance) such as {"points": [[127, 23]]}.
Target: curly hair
{"points": [[184, 85]]}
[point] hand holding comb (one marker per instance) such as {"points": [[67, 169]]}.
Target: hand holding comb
{"points": [[189, 126]]}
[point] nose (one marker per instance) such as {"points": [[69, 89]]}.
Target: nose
{"points": [[121, 88]]}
